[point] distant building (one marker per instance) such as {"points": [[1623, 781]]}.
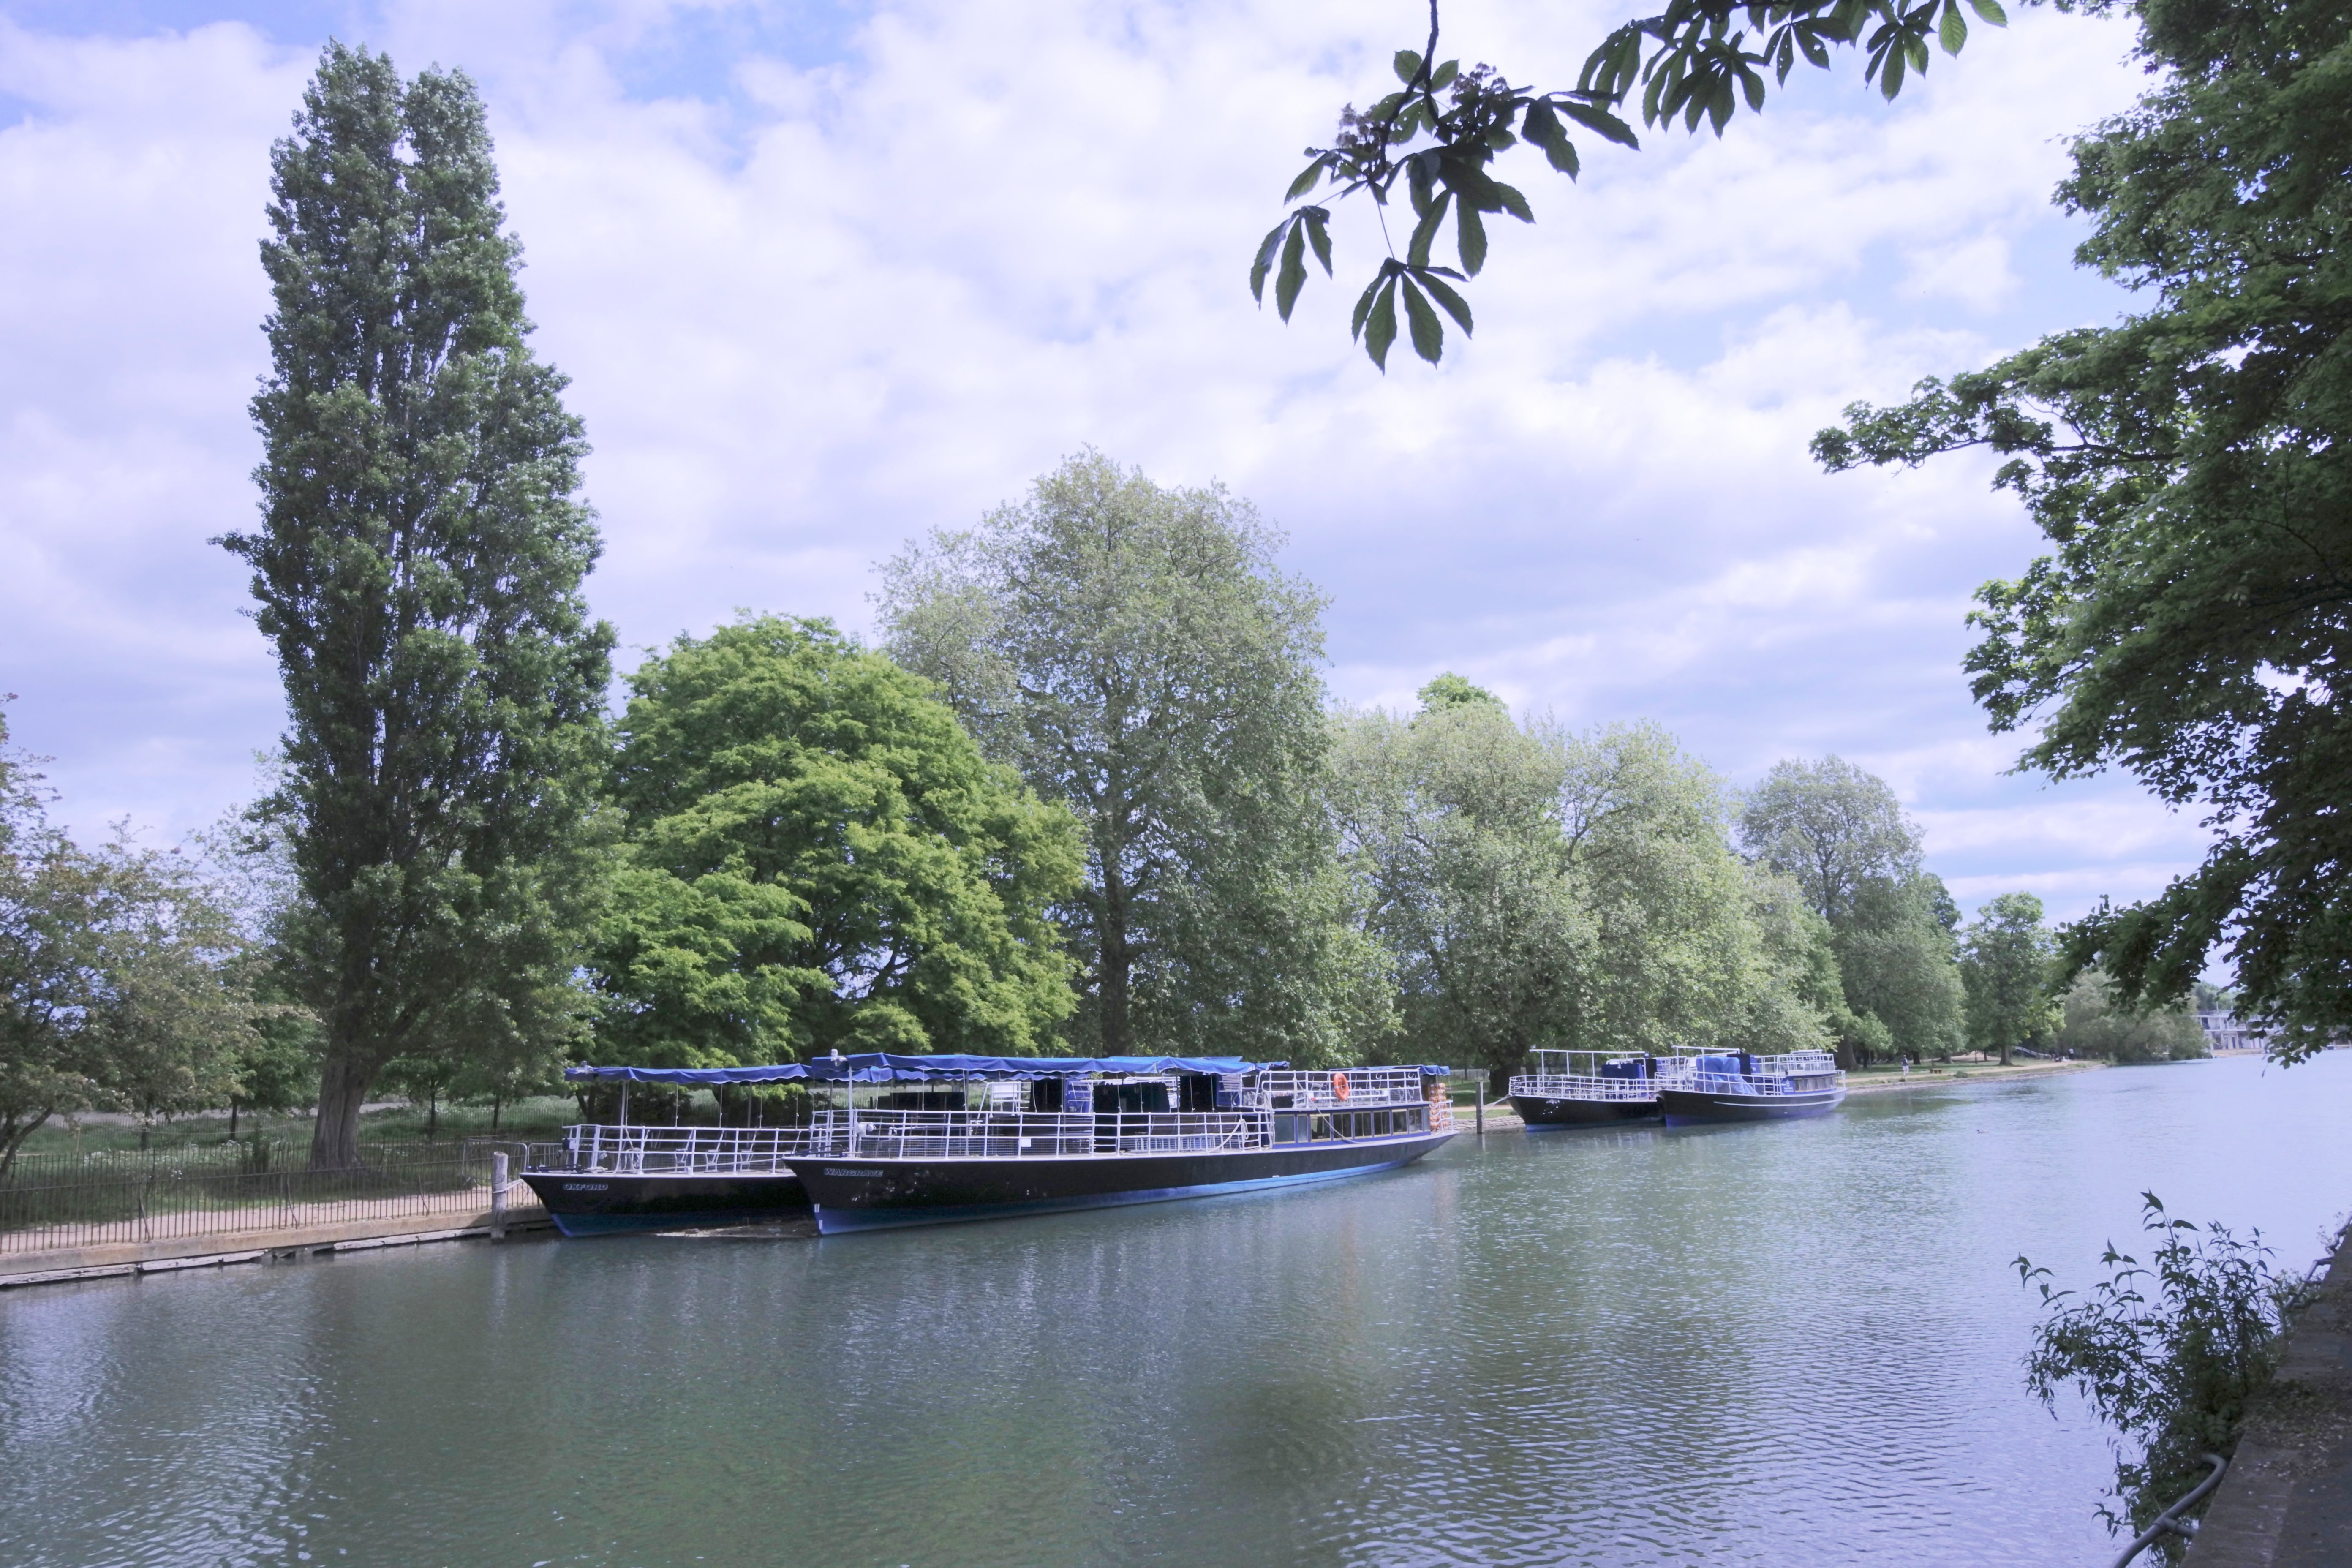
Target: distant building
{"points": [[2226, 1032]]}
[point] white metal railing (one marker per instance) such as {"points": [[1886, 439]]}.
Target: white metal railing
{"points": [[965, 1135], [1364, 1089], [1796, 1072], [647, 1150], [1006, 1134], [1573, 1086]]}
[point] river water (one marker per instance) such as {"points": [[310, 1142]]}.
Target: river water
{"points": [[1790, 1344]]}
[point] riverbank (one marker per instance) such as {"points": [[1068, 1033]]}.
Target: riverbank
{"points": [[1500, 1118], [298, 1235], [2287, 1501], [1935, 1077]]}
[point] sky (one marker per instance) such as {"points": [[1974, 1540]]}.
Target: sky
{"points": [[826, 276]]}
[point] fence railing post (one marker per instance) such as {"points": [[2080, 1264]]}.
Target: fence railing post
{"points": [[499, 1195]]}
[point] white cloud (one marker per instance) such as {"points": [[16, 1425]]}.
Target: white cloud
{"points": [[811, 310]]}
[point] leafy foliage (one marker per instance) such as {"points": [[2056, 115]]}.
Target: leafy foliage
{"points": [[2095, 1025], [2007, 958], [2189, 467], [418, 570], [1135, 653], [1694, 60], [1840, 835], [817, 857], [2167, 1352], [120, 984], [1538, 889]]}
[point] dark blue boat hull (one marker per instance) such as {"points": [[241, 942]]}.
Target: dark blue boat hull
{"points": [[1685, 1108], [1538, 1111], [876, 1194], [603, 1204]]}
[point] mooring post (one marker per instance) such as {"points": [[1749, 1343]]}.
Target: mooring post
{"points": [[1478, 1080], [499, 1195]]}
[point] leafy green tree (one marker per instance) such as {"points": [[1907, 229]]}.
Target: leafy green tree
{"points": [[1448, 820], [1837, 830], [2192, 469], [418, 569], [278, 1070], [1900, 960], [1135, 652], [2169, 1353], [1679, 960], [1840, 835], [1543, 889], [2007, 959], [818, 857], [166, 1019], [424, 1076], [119, 984], [1451, 690], [249, 868], [2095, 1025], [1693, 61]]}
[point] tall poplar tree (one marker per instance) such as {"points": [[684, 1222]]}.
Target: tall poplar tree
{"points": [[418, 567]]}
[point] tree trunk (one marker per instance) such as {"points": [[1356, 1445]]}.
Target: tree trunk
{"points": [[2004, 1052], [335, 1136], [496, 1100], [432, 1111], [14, 1141], [1110, 988], [232, 1118]]}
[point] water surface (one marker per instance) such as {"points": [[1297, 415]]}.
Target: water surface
{"points": [[1794, 1344]]}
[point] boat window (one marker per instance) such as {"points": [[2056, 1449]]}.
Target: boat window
{"points": [[1046, 1094], [954, 1097]]}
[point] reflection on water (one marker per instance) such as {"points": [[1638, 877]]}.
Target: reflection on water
{"points": [[1764, 1344]]}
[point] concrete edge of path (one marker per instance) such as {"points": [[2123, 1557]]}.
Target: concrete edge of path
{"points": [[2287, 1500], [61, 1265]]}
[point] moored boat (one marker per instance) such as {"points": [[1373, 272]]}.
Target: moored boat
{"points": [[1583, 1089], [908, 1140], [605, 1179], [1736, 1086]]}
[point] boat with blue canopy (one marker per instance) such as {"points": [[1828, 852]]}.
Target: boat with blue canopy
{"points": [[895, 1140], [1738, 1086], [1588, 1089]]}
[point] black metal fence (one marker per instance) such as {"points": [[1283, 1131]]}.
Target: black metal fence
{"points": [[49, 1201]]}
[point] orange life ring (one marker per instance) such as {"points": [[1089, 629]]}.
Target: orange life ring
{"points": [[1338, 1085]]}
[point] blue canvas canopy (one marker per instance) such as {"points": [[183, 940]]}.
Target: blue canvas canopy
{"points": [[698, 1077], [882, 1067]]}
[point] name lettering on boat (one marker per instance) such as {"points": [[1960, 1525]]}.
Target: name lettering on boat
{"points": [[587, 1186], [838, 1171]]}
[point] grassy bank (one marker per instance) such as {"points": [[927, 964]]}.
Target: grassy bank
{"points": [[535, 1120], [1873, 1080]]}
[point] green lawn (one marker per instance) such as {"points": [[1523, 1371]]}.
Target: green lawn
{"points": [[530, 1120]]}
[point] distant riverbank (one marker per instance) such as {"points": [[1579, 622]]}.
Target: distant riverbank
{"points": [[1500, 1118], [1928, 1077]]}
